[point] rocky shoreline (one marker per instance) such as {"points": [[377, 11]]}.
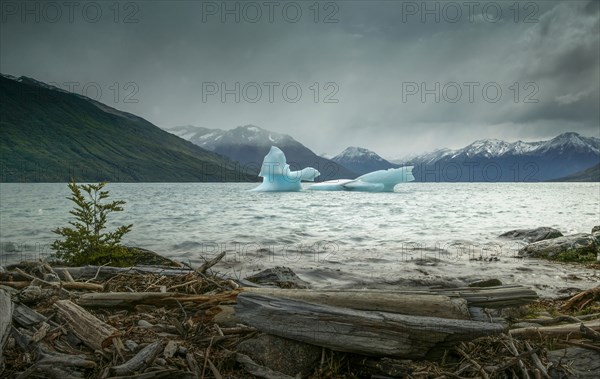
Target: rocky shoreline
{"points": [[167, 319]]}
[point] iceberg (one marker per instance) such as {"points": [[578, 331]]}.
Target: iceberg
{"points": [[376, 181], [277, 176]]}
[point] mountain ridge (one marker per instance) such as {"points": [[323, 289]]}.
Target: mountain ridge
{"points": [[51, 135], [362, 160], [494, 148], [591, 174], [557, 157], [249, 144]]}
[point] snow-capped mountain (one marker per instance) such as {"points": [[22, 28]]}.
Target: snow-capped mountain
{"points": [[211, 139], [493, 148], [496, 160], [361, 160], [249, 144]]}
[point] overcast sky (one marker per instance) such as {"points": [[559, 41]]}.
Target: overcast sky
{"points": [[378, 65]]}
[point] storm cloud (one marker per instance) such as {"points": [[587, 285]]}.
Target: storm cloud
{"points": [[396, 77]]}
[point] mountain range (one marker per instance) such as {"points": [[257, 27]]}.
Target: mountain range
{"points": [[486, 160], [50, 135], [499, 161], [249, 144]]}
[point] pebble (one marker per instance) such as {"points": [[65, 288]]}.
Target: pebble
{"points": [[131, 346], [51, 278], [30, 294], [144, 324]]}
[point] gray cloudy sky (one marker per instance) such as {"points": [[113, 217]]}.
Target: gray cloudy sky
{"points": [[378, 65]]}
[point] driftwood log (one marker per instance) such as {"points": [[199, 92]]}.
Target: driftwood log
{"points": [[26, 317], [102, 273], [573, 330], [492, 297], [89, 329], [142, 359], [66, 285], [6, 311], [130, 299], [414, 304], [373, 333], [57, 366]]}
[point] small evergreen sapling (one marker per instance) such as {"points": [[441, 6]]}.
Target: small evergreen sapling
{"points": [[86, 242]]}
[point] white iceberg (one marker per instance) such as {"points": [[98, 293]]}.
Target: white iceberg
{"points": [[376, 181], [277, 176]]}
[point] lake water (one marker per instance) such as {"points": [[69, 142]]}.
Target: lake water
{"points": [[329, 238]]}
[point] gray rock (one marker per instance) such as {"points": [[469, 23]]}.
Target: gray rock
{"points": [[282, 277], [226, 316], [30, 294], [52, 278], [532, 235], [596, 229], [131, 346], [580, 243], [281, 354], [596, 235], [585, 363], [144, 324]]}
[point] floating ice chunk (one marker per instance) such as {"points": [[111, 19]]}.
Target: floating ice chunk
{"points": [[376, 181], [277, 176]]}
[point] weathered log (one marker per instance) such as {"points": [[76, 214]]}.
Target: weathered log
{"points": [[570, 330], [589, 333], [414, 304], [26, 317], [130, 299], [493, 297], [66, 285], [142, 359], [89, 329], [56, 365], [209, 263], [105, 272], [582, 299], [6, 312], [484, 297], [364, 332], [159, 374], [64, 274], [18, 285], [38, 280]]}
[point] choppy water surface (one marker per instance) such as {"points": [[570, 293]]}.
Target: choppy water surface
{"points": [[329, 238]]}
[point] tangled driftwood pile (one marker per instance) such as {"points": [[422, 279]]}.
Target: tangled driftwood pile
{"points": [[150, 322]]}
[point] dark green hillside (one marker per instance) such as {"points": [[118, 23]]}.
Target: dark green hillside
{"points": [[591, 174], [48, 135]]}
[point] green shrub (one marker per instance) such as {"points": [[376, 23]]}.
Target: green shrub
{"points": [[575, 256], [86, 241]]}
